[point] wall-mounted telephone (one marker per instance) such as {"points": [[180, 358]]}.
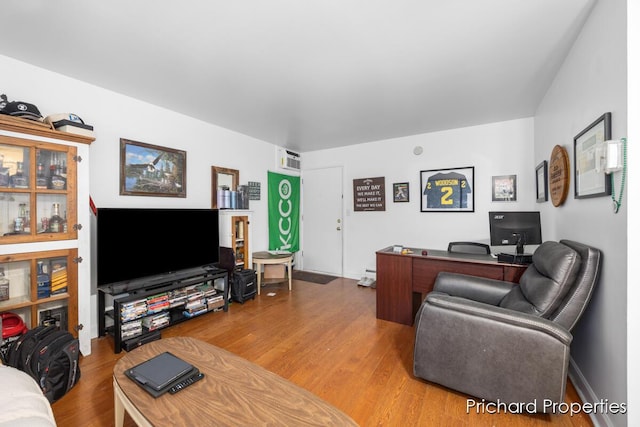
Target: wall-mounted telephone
{"points": [[610, 156]]}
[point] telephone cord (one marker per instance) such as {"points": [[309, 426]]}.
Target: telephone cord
{"points": [[618, 203]]}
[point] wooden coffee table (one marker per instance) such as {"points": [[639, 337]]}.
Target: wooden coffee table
{"points": [[234, 391]]}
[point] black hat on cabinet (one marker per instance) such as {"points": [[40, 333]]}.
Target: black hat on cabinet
{"points": [[22, 109]]}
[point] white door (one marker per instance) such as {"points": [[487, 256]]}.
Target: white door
{"points": [[322, 224]]}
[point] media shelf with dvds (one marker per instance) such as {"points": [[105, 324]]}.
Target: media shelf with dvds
{"points": [[142, 312]]}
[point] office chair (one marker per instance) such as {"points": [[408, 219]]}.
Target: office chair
{"points": [[469, 248]]}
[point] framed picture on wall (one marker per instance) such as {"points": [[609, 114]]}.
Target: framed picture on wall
{"points": [[369, 194], [589, 178], [542, 191], [447, 190], [504, 188], [400, 192], [151, 170]]}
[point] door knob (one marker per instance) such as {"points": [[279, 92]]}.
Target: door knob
{"points": [[338, 228]]}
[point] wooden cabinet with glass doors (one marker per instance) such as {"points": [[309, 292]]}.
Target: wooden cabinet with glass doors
{"points": [[38, 209]]}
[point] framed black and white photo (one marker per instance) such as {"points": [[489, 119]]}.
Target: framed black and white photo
{"points": [[447, 190], [151, 170], [589, 178], [504, 188], [400, 192], [542, 191]]}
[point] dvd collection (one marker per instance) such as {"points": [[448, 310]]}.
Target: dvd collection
{"points": [[156, 321], [153, 312]]}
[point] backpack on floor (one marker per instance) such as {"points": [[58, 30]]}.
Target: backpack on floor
{"points": [[50, 356], [19, 353]]}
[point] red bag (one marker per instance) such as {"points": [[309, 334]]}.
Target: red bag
{"points": [[12, 325]]}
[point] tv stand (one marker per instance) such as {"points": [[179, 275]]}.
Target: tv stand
{"points": [[140, 309]]}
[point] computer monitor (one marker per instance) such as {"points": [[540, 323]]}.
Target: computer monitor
{"points": [[515, 228]]}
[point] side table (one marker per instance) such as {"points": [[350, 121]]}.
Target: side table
{"points": [[265, 257]]}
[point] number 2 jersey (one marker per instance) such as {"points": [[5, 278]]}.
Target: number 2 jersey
{"points": [[447, 191]]}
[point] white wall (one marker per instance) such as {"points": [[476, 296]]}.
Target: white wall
{"points": [[633, 268], [115, 116], [591, 82], [504, 148]]}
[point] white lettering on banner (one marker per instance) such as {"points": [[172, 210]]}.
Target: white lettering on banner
{"points": [[283, 213], [282, 230], [284, 191]]}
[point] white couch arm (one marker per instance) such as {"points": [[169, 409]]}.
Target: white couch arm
{"points": [[22, 402]]}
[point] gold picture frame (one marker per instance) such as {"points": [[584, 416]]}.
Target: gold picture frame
{"points": [[151, 170]]}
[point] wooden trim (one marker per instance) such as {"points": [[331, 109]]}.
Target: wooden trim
{"points": [[32, 127]]}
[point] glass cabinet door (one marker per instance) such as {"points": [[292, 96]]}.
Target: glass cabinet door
{"points": [[51, 276], [15, 202], [37, 191], [40, 287], [15, 283], [14, 167], [51, 169], [15, 214]]}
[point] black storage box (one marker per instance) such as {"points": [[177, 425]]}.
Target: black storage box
{"points": [[523, 259], [136, 342], [243, 285]]}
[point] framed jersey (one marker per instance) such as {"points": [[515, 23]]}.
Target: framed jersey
{"points": [[447, 190]]}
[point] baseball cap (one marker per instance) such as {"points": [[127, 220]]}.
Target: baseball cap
{"points": [[22, 109]]}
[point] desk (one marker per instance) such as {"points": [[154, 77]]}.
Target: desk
{"points": [[233, 392], [265, 257], [402, 279]]}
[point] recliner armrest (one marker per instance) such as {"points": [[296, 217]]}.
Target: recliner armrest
{"points": [[477, 309], [489, 291]]}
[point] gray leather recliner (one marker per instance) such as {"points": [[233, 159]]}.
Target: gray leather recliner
{"points": [[507, 342]]}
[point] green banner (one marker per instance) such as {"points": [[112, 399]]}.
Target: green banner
{"points": [[284, 212]]}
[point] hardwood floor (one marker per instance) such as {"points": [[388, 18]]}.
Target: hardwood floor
{"points": [[326, 339]]}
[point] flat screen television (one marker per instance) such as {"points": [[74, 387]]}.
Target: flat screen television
{"points": [[134, 243], [515, 228]]}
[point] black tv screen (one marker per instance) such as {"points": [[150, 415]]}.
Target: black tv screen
{"points": [[515, 228], [134, 243]]}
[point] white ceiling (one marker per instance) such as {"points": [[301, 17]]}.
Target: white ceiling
{"points": [[307, 74]]}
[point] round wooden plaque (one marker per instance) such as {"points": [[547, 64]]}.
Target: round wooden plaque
{"points": [[559, 171]]}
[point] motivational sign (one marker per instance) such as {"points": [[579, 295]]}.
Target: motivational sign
{"points": [[368, 194], [254, 190]]}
